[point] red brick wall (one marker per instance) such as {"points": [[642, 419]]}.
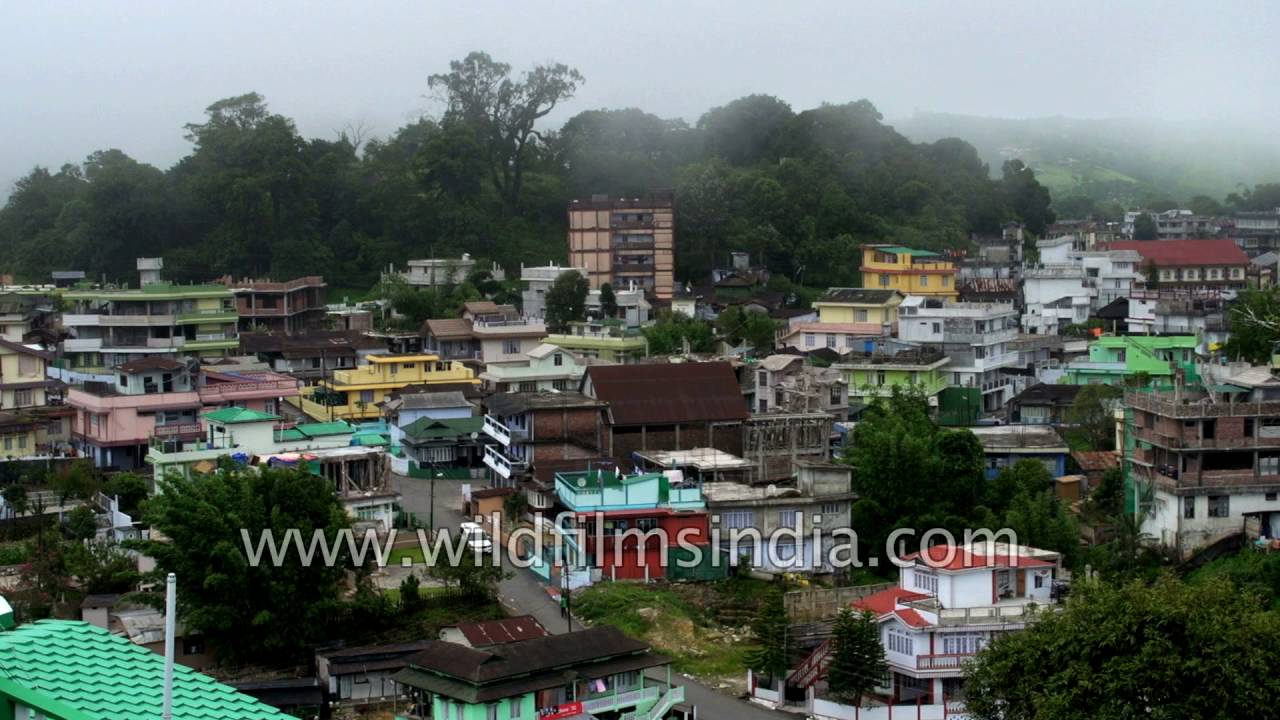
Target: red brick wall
{"points": [[581, 424], [726, 438]]}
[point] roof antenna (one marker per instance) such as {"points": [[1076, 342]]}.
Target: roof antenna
{"points": [[170, 610]]}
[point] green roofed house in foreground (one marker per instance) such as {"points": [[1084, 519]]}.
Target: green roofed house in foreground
{"points": [[71, 670]]}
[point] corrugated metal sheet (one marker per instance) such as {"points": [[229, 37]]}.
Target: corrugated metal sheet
{"points": [[662, 394]]}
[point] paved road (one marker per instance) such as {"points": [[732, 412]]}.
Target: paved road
{"points": [[524, 594]]}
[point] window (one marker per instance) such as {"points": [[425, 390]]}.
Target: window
{"points": [[762, 378], [809, 339], [898, 641], [1189, 507], [513, 708], [647, 524], [1269, 464], [880, 378], [860, 315], [884, 281], [1271, 497], [831, 340], [837, 395], [123, 380], [560, 384], [962, 643], [627, 679], [529, 386], [22, 398], [928, 582], [491, 711], [1039, 580], [511, 347], [764, 405], [1219, 506], [924, 281], [937, 328], [787, 518], [366, 396], [946, 281], [830, 508], [737, 519], [557, 359]]}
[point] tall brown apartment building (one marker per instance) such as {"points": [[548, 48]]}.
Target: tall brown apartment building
{"points": [[625, 241]]}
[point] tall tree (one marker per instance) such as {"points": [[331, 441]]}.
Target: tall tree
{"points": [[1028, 199], [608, 301], [746, 130], [1091, 417], [480, 93], [1255, 326], [566, 301], [1134, 650], [1144, 227], [857, 663], [770, 630], [672, 332]]}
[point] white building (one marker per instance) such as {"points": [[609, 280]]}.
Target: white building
{"points": [[948, 604], [538, 280], [976, 336], [436, 272], [1069, 283]]}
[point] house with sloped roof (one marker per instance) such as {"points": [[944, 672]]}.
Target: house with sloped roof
{"points": [[444, 442], [668, 406], [597, 672], [486, 633], [486, 333], [950, 602], [71, 670]]}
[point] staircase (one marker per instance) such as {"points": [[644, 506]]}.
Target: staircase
{"points": [[660, 709], [814, 667]]}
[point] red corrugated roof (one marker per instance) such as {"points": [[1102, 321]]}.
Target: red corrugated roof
{"points": [[1177, 253], [912, 618], [944, 557], [498, 632], [885, 601], [661, 394]]}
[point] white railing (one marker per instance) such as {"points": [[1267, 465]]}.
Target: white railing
{"points": [[608, 703], [497, 461], [497, 430]]}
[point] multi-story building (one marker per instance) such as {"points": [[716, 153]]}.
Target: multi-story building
{"points": [[1112, 358], [588, 673], [625, 241], [633, 307], [115, 325], [785, 383], [976, 336], [285, 307], [440, 272], [1204, 464], [1257, 232], [161, 397], [847, 319], [876, 374], [949, 603], [547, 367], [606, 343], [1204, 263], [1005, 445], [910, 272], [23, 379], [486, 333], [538, 280], [606, 504], [530, 428], [1068, 283], [355, 394], [1204, 313], [1173, 224]]}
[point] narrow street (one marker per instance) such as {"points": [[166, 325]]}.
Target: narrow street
{"points": [[522, 593]]}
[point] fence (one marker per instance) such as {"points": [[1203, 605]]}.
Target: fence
{"points": [[829, 710], [823, 603]]}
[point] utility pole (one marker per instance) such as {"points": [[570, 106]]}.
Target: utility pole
{"points": [[432, 520]]}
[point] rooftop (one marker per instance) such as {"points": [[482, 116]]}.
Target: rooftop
{"points": [[1178, 253], [1019, 438], [1047, 394], [863, 296], [507, 404], [76, 671], [236, 415], [700, 459], [668, 393], [433, 429], [501, 632]]}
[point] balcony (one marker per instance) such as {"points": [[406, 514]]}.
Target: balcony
{"points": [[497, 430], [942, 662], [633, 268], [628, 245], [584, 492], [499, 463], [610, 702], [211, 315], [178, 430], [82, 344], [508, 326]]}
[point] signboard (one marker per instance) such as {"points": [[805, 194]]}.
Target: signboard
{"points": [[563, 710]]}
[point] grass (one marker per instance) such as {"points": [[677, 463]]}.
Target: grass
{"points": [[1250, 570], [679, 621], [413, 552]]}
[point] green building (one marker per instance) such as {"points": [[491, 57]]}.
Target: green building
{"points": [[113, 325], [610, 343], [875, 374], [71, 670], [580, 674], [1112, 358]]}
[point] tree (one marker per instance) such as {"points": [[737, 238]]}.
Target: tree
{"points": [[672, 332], [746, 130], [1040, 520], [1133, 650], [756, 329], [129, 489], [75, 481], [249, 612], [1090, 419], [608, 302], [1255, 326], [410, 594], [475, 578], [101, 567], [1029, 476], [857, 658], [480, 94], [1108, 497], [1026, 197], [1144, 227], [15, 496], [566, 301], [770, 630], [82, 523], [514, 506]]}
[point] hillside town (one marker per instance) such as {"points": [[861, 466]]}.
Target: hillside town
{"points": [[1092, 365]]}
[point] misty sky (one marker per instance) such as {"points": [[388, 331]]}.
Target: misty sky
{"points": [[81, 76]]}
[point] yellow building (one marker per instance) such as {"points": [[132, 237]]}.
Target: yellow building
{"points": [[910, 272], [23, 381], [355, 394]]}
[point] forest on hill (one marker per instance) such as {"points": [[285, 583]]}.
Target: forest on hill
{"points": [[1122, 161], [799, 190]]}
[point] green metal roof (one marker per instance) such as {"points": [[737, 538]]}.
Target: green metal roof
{"points": [[233, 415], [370, 439], [900, 250], [337, 427], [432, 429], [75, 671]]}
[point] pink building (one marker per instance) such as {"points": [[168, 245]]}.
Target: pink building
{"points": [[161, 397]]}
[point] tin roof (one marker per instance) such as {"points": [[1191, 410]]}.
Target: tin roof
{"points": [[506, 630], [667, 393]]}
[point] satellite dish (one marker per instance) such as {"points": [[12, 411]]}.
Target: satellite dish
{"points": [[475, 435], [771, 490], [582, 482]]}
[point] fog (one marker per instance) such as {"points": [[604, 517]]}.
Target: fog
{"points": [[82, 76]]}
